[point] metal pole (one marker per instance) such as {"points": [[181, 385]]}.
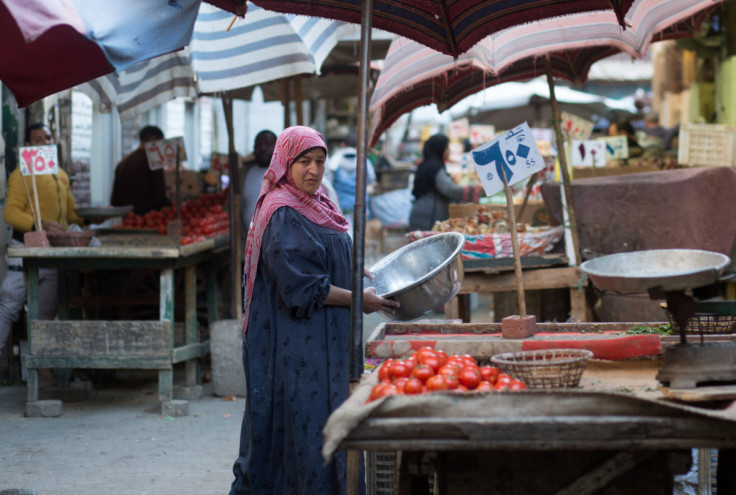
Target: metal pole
{"points": [[563, 163], [234, 206], [356, 308]]}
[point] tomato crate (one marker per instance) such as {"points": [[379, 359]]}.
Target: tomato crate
{"points": [[703, 145], [381, 472]]}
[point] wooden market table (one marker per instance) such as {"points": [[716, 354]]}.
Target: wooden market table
{"points": [[614, 434], [113, 344], [539, 272]]}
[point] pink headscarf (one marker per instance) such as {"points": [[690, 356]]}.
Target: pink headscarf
{"points": [[277, 190]]}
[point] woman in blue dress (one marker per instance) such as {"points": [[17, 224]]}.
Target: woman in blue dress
{"points": [[296, 325]]}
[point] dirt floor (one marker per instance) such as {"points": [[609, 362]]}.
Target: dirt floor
{"points": [[117, 442]]}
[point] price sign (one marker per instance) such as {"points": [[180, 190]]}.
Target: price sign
{"points": [[162, 154], [617, 147], [43, 159], [591, 153], [574, 127], [514, 153]]}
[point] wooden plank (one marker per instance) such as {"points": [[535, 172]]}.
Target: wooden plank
{"points": [[96, 252], [543, 278], [91, 338], [495, 265], [189, 351], [541, 433], [102, 362], [386, 329]]}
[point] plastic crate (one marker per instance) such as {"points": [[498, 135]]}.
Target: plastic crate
{"points": [[703, 145], [381, 472]]}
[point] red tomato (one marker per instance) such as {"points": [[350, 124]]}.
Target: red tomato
{"points": [[489, 373], [452, 381], [468, 359], [424, 351], [517, 385], [400, 382], [431, 361], [413, 386], [383, 390], [422, 372], [484, 386], [436, 382], [383, 370], [502, 386], [411, 362], [442, 355], [470, 377], [462, 388], [398, 370], [504, 378]]}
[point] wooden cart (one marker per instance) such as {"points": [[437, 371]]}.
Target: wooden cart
{"points": [[133, 344]]}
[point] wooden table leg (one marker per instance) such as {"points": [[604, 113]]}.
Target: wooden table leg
{"points": [[190, 316], [32, 299], [166, 313]]}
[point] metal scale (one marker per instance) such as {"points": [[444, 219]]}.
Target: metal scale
{"points": [[668, 274]]}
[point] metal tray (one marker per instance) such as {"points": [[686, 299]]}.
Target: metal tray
{"points": [[665, 269]]}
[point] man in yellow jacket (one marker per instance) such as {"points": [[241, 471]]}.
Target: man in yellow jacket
{"points": [[57, 212]]}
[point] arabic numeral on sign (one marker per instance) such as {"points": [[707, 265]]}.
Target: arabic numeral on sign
{"points": [[493, 154]]}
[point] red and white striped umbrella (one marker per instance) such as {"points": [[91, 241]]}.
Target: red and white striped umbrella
{"points": [[414, 75]]}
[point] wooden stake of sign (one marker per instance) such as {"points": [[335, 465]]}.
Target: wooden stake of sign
{"points": [[30, 204], [39, 225], [515, 247]]}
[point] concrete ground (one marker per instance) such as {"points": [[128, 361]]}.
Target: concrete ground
{"points": [[116, 441]]}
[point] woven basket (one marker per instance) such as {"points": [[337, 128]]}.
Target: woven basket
{"points": [[548, 368], [705, 323], [59, 239]]}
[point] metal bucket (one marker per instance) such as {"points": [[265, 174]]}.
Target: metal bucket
{"points": [[421, 276]]}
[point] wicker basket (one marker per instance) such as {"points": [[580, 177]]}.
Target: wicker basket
{"points": [[705, 323], [548, 368], [59, 239]]}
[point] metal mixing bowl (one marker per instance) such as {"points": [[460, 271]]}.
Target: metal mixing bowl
{"points": [[667, 269], [421, 276]]}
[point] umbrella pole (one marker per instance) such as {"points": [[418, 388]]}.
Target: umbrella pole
{"points": [[563, 165], [298, 100], [356, 308], [234, 207], [515, 247]]}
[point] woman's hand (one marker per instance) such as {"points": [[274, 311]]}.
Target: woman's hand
{"points": [[368, 273], [372, 302]]}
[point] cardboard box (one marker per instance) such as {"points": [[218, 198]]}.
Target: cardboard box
{"points": [[190, 185]]}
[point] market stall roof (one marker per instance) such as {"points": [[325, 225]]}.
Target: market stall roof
{"points": [[47, 47]]}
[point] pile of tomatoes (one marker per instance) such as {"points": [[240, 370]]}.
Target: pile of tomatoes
{"points": [[430, 370], [201, 218]]}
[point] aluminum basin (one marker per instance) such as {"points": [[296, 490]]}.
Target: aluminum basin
{"points": [[421, 276], [666, 269]]}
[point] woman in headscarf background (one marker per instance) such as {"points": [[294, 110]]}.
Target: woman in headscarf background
{"points": [[296, 324], [434, 189]]}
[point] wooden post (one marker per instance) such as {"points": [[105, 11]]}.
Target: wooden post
{"points": [[234, 204], [298, 101], [515, 247], [563, 164]]}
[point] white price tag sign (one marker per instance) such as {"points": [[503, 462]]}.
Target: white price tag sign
{"points": [[43, 159], [162, 154], [514, 152], [617, 147], [590, 153]]}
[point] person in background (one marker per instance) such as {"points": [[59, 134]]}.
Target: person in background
{"points": [[652, 128], [343, 164], [296, 320], [434, 189], [254, 171], [135, 183], [57, 211], [624, 128]]}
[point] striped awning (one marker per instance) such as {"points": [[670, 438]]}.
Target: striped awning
{"points": [[266, 46], [415, 75]]}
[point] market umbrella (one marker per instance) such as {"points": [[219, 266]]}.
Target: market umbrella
{"points": [[264, 47], [415, 75], [49, 46], [447, 27]]}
